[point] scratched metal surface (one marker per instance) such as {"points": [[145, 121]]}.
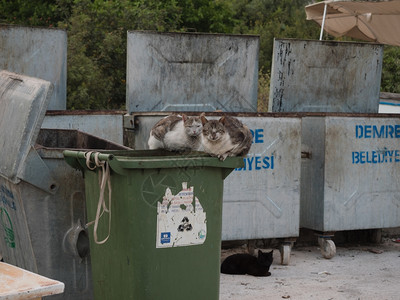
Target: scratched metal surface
{"points": [[262, 200], [351, 179], [104, 125], [23, 102], [37, 52], [325, 76], [191, 72], [37, 228]]}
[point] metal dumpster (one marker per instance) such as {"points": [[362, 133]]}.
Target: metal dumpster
{"points": [[349, 179], [160, 237], [42, 202], [191, 72], [325, 76], [37, 52], [103, 124], [262, 199], [337, 193]]}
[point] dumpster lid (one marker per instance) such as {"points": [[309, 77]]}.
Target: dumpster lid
{"points": [[173, 71], [121, 161], [23, 104]]}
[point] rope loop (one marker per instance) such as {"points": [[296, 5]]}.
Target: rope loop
{"points": [[104, 180]]}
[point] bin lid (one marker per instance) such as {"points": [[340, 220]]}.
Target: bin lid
{"points": [[23, 104], [191, 72], [121, 161]]}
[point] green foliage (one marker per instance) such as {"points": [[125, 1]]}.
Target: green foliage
{"points": [[97, 32], [391, 70], [206, 16], [34, 12], [273, 19], [263, 91]]}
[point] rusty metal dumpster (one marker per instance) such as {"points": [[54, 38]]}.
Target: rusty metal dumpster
{"points": [[325, 76], [347, 172], [42, 202], [349, 180]]}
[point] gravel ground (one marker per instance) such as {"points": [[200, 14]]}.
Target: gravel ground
{"points": [[355, 272]]}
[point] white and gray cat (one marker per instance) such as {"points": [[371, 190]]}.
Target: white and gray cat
{"points": [[225, 137], [176, 133]]}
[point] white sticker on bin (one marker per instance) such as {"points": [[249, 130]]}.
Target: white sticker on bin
{"points": [[180, 222]]}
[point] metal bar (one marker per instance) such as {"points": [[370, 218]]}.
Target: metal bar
{"points": [[323, 22], [81, 154]]}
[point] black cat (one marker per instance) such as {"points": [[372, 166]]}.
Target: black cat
{"points": [[243, 263]]}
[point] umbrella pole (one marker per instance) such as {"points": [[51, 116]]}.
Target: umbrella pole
{"points": [[323, 22]]}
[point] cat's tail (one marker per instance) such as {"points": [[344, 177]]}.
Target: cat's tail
{"points": [[248, 138]]}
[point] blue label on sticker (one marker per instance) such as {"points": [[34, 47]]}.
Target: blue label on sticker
{"points": [[202, 234], [165, 237]]}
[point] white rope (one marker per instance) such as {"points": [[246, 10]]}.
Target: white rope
{"points": [[104, 179]]}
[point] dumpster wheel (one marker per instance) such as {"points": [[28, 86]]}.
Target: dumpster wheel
{"points": [[328, 248], [285, 250]]}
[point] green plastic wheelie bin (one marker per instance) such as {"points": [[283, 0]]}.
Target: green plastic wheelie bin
{"points": [[158, 219]]}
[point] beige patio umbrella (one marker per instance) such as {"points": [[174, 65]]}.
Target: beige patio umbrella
{"points": [[369, 21]]}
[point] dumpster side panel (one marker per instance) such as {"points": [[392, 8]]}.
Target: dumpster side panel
{"points": [[106, 126], [14, 233], [37, 52], [27, 98], [362, 173], [262, 200], [325, 76], [56, 225], [129, 265], [191, 72], [312, 173], [46, 230]]}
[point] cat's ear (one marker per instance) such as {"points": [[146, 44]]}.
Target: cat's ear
{"points": [[184, 117], [260, 253], [203, 118], [272, 251], [222, 120]]}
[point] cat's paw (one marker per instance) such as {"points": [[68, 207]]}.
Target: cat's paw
{"points": [[222, 157]]}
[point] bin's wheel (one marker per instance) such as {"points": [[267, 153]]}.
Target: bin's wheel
{"points": [[321, 241], [285, 254], [328, 248]]}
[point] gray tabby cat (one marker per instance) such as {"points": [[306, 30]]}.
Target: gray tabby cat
{"points": [[225, 137], [176, 133]]}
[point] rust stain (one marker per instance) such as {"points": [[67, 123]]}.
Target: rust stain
{"points": [[84, 112]]}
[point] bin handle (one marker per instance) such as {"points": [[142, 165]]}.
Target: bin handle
{"points": [[104, 179]]}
